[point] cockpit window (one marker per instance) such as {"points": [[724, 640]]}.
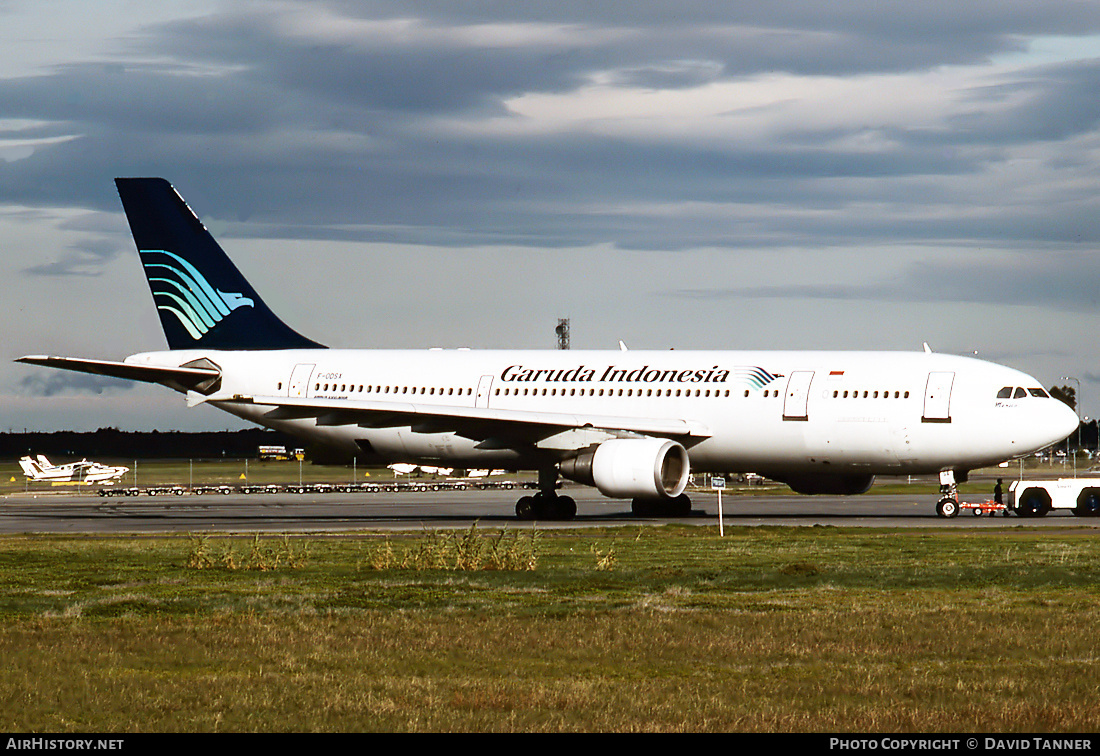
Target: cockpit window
{"points": [[1015, 392]]}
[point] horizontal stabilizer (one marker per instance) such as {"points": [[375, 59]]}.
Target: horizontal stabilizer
{"points": [[179, 378]]}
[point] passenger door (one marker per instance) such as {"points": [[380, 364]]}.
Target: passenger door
{"points": [[937, 398], [796, 400], [299, 380], [483, 387]]}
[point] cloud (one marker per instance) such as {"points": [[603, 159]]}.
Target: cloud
{"points": [[1061, 282], [561, 126], [644, 134], [56, 383]]}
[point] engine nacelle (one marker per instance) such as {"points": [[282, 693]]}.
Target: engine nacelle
{"points": [[835, 485], [627, 468]]}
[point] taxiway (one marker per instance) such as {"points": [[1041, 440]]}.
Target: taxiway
{"points": [[28, 513]]}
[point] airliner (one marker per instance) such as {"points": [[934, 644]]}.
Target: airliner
{"points": [[634, 424]]}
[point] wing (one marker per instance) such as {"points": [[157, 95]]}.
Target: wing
{"points": [[491, 427]]}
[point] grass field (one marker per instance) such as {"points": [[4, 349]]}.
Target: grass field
{"points": [[641, 629]]}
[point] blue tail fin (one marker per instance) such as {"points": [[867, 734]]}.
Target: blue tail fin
{"points": [[201, 297]]}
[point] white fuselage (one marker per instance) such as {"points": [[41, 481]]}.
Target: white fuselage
{"points": [[882, 413]]}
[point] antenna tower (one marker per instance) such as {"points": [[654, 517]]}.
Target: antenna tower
{"points": [[563, 333]]}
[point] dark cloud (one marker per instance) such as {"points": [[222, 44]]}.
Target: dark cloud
{"points": [[340, 127], [58, 382]]}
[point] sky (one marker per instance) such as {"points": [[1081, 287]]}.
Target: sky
{"points": [[783, 175]]}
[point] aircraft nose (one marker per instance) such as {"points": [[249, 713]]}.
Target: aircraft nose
{"points": [[1063, 421]]}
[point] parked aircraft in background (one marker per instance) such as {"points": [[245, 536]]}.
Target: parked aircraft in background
{"points": [[631, 423], [483, 473], [42, 469]]}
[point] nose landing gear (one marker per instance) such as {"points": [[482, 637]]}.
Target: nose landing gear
{"points": [[948, 505]]}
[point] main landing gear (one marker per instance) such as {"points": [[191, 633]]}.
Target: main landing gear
{"points": [[679, 506], [547, 504]]}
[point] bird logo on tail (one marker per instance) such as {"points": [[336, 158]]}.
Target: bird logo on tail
{"points": [[179, 288]]}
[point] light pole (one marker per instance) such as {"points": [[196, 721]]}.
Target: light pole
{"points": [[1077, 408]]}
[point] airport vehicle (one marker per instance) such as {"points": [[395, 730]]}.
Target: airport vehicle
{"points": [[977, 508], [41, 469], [631, 423], [280, 453], [1035, 498]]}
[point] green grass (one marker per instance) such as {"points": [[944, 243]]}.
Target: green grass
{"points": [[631, 629]]}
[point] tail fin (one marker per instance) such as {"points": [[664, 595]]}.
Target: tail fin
{"points": [[202, 299]]}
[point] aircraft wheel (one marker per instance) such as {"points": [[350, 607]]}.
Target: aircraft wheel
{"points": [[947, 508], [565, 508], [553, 507], [680, 506], [525, 508], [677, 507]]}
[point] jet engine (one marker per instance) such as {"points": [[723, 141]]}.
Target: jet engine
{"points": [[835, 485], [627, 468]]}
